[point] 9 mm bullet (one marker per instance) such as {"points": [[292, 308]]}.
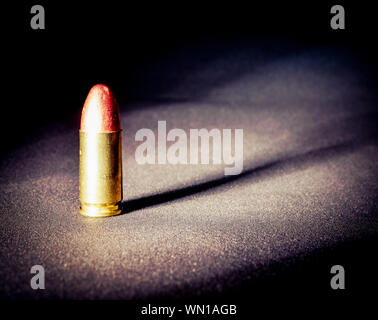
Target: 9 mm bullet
{"points": [[100, 168]]}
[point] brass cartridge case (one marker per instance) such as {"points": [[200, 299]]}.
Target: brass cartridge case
{"points": [[100, 173]]}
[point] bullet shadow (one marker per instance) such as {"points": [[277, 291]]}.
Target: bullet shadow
{"points": [[270, 168]]}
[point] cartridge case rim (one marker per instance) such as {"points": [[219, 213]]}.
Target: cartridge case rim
{"points": [[102, 211]]}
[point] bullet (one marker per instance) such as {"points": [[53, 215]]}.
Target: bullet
{"points": [[100, 168]]}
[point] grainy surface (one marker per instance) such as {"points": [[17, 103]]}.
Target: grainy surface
{"points": [[309, 182]]}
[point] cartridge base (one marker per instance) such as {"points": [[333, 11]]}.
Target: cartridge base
{"points": [[100, 210]]}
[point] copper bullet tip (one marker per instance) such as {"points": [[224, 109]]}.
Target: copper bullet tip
{"points": [[100, 112]]}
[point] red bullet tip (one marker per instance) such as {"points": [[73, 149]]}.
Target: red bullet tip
{"points": [[100, 112]]}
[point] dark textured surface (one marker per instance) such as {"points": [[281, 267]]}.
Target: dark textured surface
{"points": [[309, 183]]}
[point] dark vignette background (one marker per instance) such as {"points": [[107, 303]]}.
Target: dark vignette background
{"points": [[64, 58], [49, 73]]}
